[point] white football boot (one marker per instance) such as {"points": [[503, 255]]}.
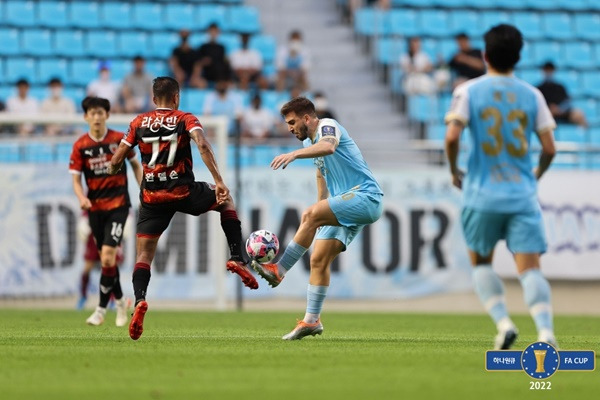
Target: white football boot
{"points": [[97, 318], [507, 335], [122, 306]]}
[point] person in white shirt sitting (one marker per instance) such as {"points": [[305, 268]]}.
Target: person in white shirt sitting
{"points": [[105, 88], [23, 104], [257, 122], [57, 104]]}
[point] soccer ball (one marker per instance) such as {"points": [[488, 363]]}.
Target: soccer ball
{"points": [[262, 246]]}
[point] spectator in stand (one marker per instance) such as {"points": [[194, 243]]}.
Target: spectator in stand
{"points": [[558, 99], [104, 87], [292, 63], [257, 122], [23, 104], [247, 65], [212, 65], [57, 104], [224, 102], [322, 106], [137, 88], [417, 67], [467, 63], [183, 60]]}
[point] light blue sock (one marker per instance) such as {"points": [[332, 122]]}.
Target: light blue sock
{"points": [[490, 290], [293, 252], [536, 291], [315, 296]]}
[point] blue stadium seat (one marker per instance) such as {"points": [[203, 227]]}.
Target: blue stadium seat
{"points": [[370, 22], [19, 67], [195, 100], [493, 18], [403, 22], [531, 76], [157, 68], [37, 42], [447, 48], [207, 14], [557, 25], [49, 68], [575, 5], [231, 41], [422, 108], [179, 16], [10, 152], [76, 94], [540, 4], [511, 4], [83, 71], [442, 3], [120, 68], [436, 132], [115, 15], [587, 26], [548, 51], [69, 43], [244, 19], [389, 49], [131, 44], [579, 55], [269, 70], [570, 133], [430, 47], [38, 152], [265, 45], [271, 99], [594, 137], [434, 22], [161, 44], [84, 14], [146, 15], [530, 24], [20, 13], [570, 79], [590, 109], [11, 43], [465, 21], [63, 151], [52, 14], [590, 82], [527, 56], [101, 44]]}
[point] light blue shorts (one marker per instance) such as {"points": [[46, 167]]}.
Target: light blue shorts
{"points": [[353, 211], [523, 232]]}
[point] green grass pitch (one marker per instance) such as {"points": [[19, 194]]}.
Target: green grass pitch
{"points": [[198, 355]]}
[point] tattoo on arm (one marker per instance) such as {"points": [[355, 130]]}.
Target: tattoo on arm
{"points": [[330, 140]]}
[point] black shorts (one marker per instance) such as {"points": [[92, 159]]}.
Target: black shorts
{"points": [[107, 226], [153, 219]]}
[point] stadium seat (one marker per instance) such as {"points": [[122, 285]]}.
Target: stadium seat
{"points": [[527, 57], [207, 14], [76, 94], [48, 68], [37, 42], [265, 45], [575, 5], [540, 4], [69, 43], [38, 152], [590, 109], [179, 16], [195, 100], [389, 49], [10, 152], [231, 41], [142, 13], [52, 14], [590, 82], [511, 4], [465, 21], [447, 48], [548, 51], [436, 132], [157, 68], [161, 44], [11, 43], [19, 67], [63, 151], [579, 55], [570, 133], [530, 24], [244, 19], [422, 108], [434, 23], [271, 99], [570, 79], [19, 13], [38, 92], [120, 68], [131, 44], [403, 22], [594, 137], [587, 26], [557, 25], [115, 15], [493, 18], [84, 14], [531, 76], [101, 44], [83, 71], [430, 47], [370, 22]]}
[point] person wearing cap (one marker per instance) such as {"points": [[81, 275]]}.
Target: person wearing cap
{"points": [[105, 87], [558, 99], [58, 104]]}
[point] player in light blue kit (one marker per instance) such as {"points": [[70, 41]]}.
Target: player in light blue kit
{"points": [[355, 200], [500, 185]]}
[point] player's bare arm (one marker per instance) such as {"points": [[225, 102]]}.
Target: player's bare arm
{"points": [[455, 128], [208, 157], [323, 147], [547, 154], [138, 171], [116, 162], [84, 202], [322, 191]]}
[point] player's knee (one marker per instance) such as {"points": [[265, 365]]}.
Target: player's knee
{"points": [[309, 218], [108, 258]]}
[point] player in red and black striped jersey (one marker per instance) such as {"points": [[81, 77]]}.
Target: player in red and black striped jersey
{"points": [[107, 198], [168, 186]]}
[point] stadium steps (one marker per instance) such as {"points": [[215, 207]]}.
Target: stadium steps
{"points": [[361, 103]]}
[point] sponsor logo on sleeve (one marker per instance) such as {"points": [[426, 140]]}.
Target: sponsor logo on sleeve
{"points": [[327, 130]]}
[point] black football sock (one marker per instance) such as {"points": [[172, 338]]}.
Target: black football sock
{"points": [[140, 279], [107, 282], [117, 290], [233, 231]]}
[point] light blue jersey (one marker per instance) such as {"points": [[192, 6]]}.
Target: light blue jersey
{"points": [[345, 169], [501, 113]]}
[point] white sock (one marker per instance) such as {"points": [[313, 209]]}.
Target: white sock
{"points": [[311, 318]]}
